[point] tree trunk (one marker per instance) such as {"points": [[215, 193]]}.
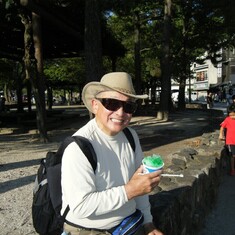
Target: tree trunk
{"points": [[39, 86], [93, 43], [153, 90], [19, 85], [165, 97], [25, 19], [92, 40], [114, 63], [181, 100], [137, 54], [183, 77], [49, 97], [33, 76], [29, 95]]}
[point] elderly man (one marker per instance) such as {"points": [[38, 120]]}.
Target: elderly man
{"points": [[100, 201]]}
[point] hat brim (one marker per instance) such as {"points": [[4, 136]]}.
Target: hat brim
{"points": [[93, 88]]}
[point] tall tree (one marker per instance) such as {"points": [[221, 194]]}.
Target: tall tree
{"points": [[38, 82], [33, 67], [165, 97], [133, 23], [92, 40], [137, 51], [198, 27]]}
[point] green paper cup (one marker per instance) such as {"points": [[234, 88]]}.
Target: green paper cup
{"points": [[152, 163]]}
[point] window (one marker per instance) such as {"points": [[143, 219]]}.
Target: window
{"points": [[201, 76], [232, 69]]}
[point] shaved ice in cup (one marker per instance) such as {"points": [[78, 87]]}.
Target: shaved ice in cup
{"points": [[152, 163]]}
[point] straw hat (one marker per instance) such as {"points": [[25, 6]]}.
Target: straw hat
{"points": [[116, 81]]}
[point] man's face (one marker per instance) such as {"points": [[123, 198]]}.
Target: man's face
{"points": [[111, 122]]}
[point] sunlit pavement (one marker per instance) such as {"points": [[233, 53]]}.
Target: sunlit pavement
{"points": [[221, 106]]}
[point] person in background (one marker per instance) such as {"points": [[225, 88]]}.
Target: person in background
{"points": [[228, 126], [229, 95], [209, 100], [100, 201], [233, 99]]}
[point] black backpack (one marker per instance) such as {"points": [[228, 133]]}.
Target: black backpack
{"points": [[47, 194]]}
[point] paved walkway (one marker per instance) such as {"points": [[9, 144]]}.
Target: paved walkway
{"points": [[221, 221], [222, 218]]}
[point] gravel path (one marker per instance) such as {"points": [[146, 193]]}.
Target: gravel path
{"points": [[18, 165], [20, 155]]}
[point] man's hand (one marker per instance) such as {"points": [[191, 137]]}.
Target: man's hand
{"points": [[141, 184]]}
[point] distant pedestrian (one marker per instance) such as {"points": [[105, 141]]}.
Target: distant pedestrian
{"points": [[233, 99], [228, 126], [229, 95], [209, 100], [224, 95], [220, 96]]}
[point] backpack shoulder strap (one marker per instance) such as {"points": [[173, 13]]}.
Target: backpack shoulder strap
{"points": [[63, 146], [87, 149], [130, 137], [84, 144]]}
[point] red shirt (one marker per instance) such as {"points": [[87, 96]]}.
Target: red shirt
{"points": [[229, 124]]}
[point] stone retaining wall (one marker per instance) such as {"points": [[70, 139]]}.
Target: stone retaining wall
{"points": [[179, 205]]}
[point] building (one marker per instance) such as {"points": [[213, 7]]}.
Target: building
{"points": [[204, 76], [218, 79]]}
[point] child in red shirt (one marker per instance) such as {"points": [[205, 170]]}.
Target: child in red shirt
{"points": [[229, 125]]}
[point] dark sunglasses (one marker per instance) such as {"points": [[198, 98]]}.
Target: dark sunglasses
{"points": [[114, 105]]}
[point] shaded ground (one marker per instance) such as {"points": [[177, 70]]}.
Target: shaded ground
{"points": [[221, 219], [20, 153]]}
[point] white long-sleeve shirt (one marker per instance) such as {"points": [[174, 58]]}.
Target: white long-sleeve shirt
{"points": [[98, 200]]}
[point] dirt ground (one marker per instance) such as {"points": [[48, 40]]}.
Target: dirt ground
{"points": [[20, 154]]}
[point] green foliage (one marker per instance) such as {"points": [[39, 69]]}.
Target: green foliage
{"points": [[122, 23], [197, 26], [6, 73], [66, 72]]}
